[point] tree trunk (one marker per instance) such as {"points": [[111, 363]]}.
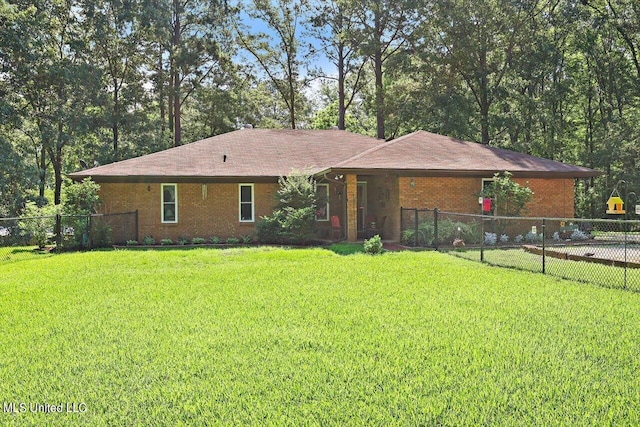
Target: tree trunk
{"points": [[380, 113], [175, 78], [161, 93], [484, 97], [42, 173], [116, 116], [341, 94]]}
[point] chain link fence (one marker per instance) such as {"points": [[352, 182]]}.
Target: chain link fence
{"points": [[599, 251], [22, 238]]}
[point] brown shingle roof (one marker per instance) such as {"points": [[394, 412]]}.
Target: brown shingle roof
{"points": [[249, 153], [423, 150], [273, 153]]}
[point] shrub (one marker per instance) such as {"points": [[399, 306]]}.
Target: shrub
{"points": [[215, 240], [233, 241], [132, 243], [504, 238], [294, 216], [80, 198], [408, 237], [556, 236], [101, 233], [490, 238], [246, 239], [532, 237], [38, 224], [269, 229], [518, 238], [578, 235], [148, 241], [183, 241], [166, 242], [198, 240], [373, 245]]}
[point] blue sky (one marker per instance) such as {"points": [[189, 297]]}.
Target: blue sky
{"points": [[259, 26]]}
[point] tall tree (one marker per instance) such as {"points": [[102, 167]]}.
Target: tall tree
{"points": [[55, 81], [188, 34], [114, 29], [479, 39], [277, 52], [333, 25], [383, 28]]}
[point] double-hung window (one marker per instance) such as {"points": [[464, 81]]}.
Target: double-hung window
{"points": [[169, 203], [247, 208], [322, 202]]}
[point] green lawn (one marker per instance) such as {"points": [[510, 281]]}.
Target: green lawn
{"points": [[600, 274], [310, 337]]}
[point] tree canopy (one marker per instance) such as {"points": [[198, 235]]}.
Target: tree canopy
{"points": [[86, 82]]}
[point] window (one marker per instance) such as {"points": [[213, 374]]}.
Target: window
{"points": [[322, 197], [246, 203], [169, 203]]}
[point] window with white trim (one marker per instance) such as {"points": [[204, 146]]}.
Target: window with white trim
{"points": [[322, 197], [247, 208], [169, 202]]}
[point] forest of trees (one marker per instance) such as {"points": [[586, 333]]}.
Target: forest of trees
{"points": [[85, 82]]}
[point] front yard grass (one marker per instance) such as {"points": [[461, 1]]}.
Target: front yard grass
{"points": [[308, 337]]}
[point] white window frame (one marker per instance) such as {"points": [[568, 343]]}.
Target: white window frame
{"points": [[327, 204], [162, 203], [240, 202], [485, 180]]}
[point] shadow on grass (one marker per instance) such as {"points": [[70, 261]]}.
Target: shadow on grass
{"points": [[22, 253], [344, 248]]}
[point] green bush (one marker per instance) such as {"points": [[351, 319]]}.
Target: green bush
{"points": [[101, 233], [198, 240], [165, 242], [246, 239], [269, 229], [294, 216], [373, 245], [132, 243], [233, 241], [38, 223], [148, 240], [215, 240]]}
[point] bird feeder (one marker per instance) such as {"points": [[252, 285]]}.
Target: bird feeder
{"points": [[615, 204]]}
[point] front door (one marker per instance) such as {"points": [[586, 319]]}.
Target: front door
{"points": [[362, 204]]}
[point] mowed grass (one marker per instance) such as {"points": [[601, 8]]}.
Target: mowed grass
{"points": [[309, 337], [596, 273]]}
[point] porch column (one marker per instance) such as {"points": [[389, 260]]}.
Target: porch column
{"points": [[351, 183]]}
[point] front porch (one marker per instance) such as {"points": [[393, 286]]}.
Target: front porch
{"points": [[364, 205]]}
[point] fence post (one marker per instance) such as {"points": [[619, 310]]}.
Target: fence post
{"points": [[625, 254], [58, 231], [89, 231], [544, 252], [415, 225], [435, 228], [482, 238]]}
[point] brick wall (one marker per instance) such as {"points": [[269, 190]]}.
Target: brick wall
{"points": [[212, 212], [215, 211], [552, 197]]}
